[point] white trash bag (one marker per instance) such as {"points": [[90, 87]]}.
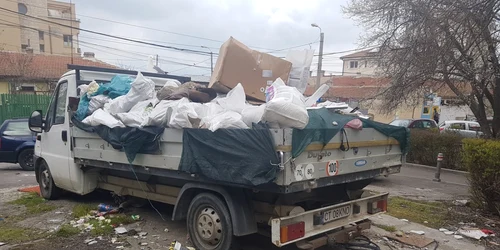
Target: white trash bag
{"points": [[234, 100], [141, 89], [161, 113], [101, 117], [285, 106], [253, 114], [97, 102], [136, 116], [187, 115], [227, 119]]}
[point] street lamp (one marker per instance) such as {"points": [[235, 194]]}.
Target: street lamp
{"points": [[320, 56], [211, 58]]}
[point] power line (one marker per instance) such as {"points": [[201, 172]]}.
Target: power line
{"points": [[112, 36], [194, 65]]}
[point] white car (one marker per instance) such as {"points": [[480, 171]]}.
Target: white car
{"points": [[464, 128]]}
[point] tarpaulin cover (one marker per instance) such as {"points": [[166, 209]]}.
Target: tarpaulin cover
{"points": [[241, 156], [321, 128], [130, 140]]}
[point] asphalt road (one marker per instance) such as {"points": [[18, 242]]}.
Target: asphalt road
{"points": [[12, 176]]}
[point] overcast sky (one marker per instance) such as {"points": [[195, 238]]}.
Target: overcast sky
{"points": [[265, 25]]}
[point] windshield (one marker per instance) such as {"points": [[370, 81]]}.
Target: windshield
{"points": [[400, 123]]}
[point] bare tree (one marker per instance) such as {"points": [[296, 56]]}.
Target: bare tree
{"points": [[435, 44], [21, 69]]}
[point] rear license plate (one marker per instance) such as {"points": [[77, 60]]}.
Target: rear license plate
{"points": [[336, 213]]}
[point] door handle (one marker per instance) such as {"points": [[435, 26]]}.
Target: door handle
{"points": [[64, 136]]}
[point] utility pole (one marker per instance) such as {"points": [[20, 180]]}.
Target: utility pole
{"points": [[157, 60], [211, 59], [320, 56]]}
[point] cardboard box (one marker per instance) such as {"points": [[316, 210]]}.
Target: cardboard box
{"points": [[253, 69]]}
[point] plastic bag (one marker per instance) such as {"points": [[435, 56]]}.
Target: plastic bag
{"points": [[136, 116], [101, 117], [141, 89], [83, 107], [92, 88], [83, 89], [161, 113], [187, 115], [234, 100], [285, 107], [301, 64], [120, 85], [227, 119], [356, 124], [97, 102], [253, 114]]}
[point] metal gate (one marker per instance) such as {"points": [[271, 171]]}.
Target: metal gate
{"points": [[21, 105]]}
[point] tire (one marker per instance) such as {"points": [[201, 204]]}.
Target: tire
{"points": [[209, 223], [48, 188], [25, 159]]}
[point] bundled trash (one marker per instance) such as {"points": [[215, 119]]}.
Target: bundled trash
{"points": [[133, 102]]}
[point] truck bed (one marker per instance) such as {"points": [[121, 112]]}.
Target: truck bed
{"points": [[369, 154]]}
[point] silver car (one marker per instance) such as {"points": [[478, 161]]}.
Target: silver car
{"points": [[464, 128]]}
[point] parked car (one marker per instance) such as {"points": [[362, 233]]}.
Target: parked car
{"points": [[17, 143], [417, 123], [464, 128]]}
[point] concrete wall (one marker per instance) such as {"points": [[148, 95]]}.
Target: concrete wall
{"points": [[4, 88], [366, 67], [10, 37]]}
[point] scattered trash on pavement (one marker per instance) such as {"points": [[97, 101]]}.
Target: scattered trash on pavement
{"points": [[121, 230], [417, 232], [461, 203], [135, 217], [178, 246], [443, 230], [474, 233], [412, 240], [92, 242], [458, 237], [166, 230], [488, 232], [405, 220], [1, 244]]}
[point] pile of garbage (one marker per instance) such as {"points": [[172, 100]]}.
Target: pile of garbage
{"points": [[237, 82]]}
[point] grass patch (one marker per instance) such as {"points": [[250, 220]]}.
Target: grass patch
{"points": [[80, 210], [13, 235], [67, 231], [34, 203], [390, 229], [435, 213]]}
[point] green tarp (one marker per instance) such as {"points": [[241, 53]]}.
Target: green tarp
{"points": [[324, 124]]}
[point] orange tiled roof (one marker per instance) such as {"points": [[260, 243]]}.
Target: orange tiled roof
{"points": [[40, 66]]}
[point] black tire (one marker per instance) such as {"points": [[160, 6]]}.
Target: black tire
{"points": [[48, 188], [209, 223], [25, 159]]}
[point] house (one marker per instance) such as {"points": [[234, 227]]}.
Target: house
{"points": [[20, 31], [362, 92], [362, 63], [30, 73]]}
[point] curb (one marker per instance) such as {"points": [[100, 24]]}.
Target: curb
{"points": [[433, 168]]}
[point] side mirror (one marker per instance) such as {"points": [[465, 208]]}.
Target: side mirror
{"points": [[35, 122]]}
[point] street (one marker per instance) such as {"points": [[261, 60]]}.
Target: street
{"points": [[412, 182]]}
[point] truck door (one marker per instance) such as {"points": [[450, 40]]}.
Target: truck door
{"points": [[55, 143]]}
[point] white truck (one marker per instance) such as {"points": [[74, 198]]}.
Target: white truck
{"points": [[316, 196]]}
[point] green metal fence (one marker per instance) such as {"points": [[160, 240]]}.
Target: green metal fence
{"points": [[21, 105]]}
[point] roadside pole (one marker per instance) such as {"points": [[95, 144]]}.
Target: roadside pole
{"points": [[437, 176]]}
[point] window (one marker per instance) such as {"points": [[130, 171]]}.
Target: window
{"points": [[17, 128], [42, 48], [459, 126], [28, 88], [474, 127], [353, 64], [24, 47], [41, 35], [67, 40], [22, 9], [57, 108]]}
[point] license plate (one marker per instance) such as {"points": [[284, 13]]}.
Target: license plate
{"points": [[336, 213]]}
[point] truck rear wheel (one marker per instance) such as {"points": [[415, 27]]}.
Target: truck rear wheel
{"points": [[209, 223], [48, 188]]}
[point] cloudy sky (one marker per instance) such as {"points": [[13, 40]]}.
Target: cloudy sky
{"points": [[265, 25]]}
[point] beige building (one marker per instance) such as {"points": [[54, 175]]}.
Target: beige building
{"points": [[361, 63], [21, 32]]}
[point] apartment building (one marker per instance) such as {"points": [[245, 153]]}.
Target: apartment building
{"points": [[362, 63], [20, 32]]}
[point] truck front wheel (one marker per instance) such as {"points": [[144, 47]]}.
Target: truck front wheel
{"points": [[48, 188], [209, 223]]}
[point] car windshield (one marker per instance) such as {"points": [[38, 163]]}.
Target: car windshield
{"points": [[400, 123], [17, 128]]}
